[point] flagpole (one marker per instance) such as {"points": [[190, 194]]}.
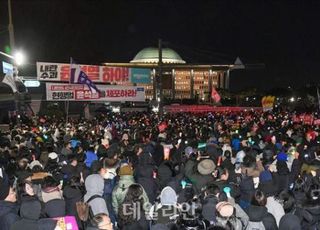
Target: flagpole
{"points": [[318, 94], [68, 101]]}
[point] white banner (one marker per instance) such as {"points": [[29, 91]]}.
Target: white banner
{"points": [[78, 92]]}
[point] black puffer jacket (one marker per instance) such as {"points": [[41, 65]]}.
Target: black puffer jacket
{"points": [[144, 177], [260, 213], [30, 214], [55, 208], [8, 214]]}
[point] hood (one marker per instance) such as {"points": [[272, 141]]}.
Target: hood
{"points": [[94, 185], [290, 222], [30, 210], [126, 181], [257, 213], [168, 196]]}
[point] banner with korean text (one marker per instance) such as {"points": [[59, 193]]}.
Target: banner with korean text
{"points": [[47, 71], [78, 92]]}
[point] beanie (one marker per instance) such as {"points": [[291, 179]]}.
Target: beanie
{"points": [[125, 170], [282, 156], [4, 189]]}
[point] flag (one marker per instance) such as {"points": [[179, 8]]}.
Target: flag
{"points": [[215, 95], [318, 94], [9, 80], [77, 76]]}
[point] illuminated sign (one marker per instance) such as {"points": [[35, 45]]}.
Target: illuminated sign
{"points": [[7, 67], [31, 83]]}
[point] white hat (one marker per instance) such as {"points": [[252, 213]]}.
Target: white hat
{"points": [[35, 163], [53, 156]]}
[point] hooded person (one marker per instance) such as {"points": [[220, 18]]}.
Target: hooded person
{"points": [[144, 175], [167, 211], [30, 213], [94, 186]]}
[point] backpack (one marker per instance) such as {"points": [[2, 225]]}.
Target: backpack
{"points": [[255, 226], [84, 210], [109, 185]]}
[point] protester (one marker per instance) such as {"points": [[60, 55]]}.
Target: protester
{"points": [[233, 170]]}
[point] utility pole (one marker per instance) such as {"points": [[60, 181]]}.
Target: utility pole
{"points": [[10, 27], [160, 100]]}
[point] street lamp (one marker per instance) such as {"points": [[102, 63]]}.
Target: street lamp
{"points": [[19, 58], [292, 99]]}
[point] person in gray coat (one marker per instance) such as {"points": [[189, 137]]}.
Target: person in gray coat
{"points": [[94, 186]]}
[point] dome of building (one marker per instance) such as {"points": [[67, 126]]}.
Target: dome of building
{"points": [[151, 55]]}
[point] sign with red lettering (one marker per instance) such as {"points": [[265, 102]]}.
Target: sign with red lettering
{"points": [[61, 73], [316, 122], [78, 92]]}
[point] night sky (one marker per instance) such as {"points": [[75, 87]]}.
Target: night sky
{"points": [[284, 35]]}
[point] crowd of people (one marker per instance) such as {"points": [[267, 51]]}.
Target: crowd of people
{"points": [[228, 170]]}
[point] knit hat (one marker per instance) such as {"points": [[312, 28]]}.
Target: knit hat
{"points": [[125, 170], [225, 209], [206, 167], [4, 189], [282, 156], [265, 176]]}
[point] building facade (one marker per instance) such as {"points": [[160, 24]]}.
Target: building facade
{"points": [[179, 80]]}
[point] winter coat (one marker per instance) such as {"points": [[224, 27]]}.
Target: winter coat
{"points": [[275, 208], [30, 213], [144, 177], [290, 222], [71, 196], [8, 214], [55, 208], [94, 186], [260, 213], [165, 173], [313, 211], [209, 208], [120, 191], [246, 191], [199, 181]]}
